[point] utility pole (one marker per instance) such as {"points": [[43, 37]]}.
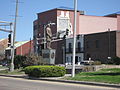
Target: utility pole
{"points": [[74, 38], [14, 36]]}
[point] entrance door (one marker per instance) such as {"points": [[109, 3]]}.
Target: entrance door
{"points": [[76, 59]]}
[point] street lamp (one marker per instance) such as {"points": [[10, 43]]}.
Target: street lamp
{"points": [[74, 37]]}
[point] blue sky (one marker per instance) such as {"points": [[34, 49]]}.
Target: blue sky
{"points": [[28, 10]]}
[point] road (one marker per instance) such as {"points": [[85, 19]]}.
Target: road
{"points": [[10, 83]]}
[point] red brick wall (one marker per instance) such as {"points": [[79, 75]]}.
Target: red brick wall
{"points": [[25, 48], [44, 18]]}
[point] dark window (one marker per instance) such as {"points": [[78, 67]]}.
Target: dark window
{"points": [[70, 47], [79, 46], [87, 44], [97, 44]]}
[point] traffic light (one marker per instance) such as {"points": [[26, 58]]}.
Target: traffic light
{"points": [[9, 40], [67, 32]]}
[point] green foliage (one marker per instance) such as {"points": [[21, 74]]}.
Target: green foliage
{"points": [[116, 60], [45, 71], [19, 61], [29, 60], [32, 60]]}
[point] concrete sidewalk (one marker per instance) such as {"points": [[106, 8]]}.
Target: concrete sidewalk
{"points": [[59, 79]]}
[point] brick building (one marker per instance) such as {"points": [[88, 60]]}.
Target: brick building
{"points": [[21, 48], [3, 46], [63, 17], [100, 46]]}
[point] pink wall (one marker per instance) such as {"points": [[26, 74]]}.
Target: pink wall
{"points": [[118, 22], [95, 24], [118, 43]]}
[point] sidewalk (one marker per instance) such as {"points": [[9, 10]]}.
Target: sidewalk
{"points": [[59, 79]]}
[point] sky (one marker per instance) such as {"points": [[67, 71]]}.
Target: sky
{"points": [[28, 10]]}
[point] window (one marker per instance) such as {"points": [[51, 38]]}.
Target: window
{"points": [[97, 44], [79, 46], [70, 47], [87, 44]]}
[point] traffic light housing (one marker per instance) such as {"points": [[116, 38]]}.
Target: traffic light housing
{"points": [[67, 32], [9, 40]]}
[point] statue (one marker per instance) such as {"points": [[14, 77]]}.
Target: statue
{"points": [[48, 37]]}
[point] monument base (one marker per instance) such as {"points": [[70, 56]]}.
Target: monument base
{"points": [[48, 56]]}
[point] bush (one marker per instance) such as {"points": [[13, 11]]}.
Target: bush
{"points": [[29, 60], [116, 60], [19, 61], [96, 63], [45, 71]]}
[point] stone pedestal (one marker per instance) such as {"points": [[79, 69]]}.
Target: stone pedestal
{"points": [[49, 56]]}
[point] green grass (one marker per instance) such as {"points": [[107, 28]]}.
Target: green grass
{"points": [[2, 67], [104, 75], [15, 72]]}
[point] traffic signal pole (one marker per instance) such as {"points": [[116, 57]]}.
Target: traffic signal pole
{"points": [[14, 36]]}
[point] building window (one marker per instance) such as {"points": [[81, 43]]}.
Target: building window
{"points": [[67, 59], [87, 44], [71, 59], [80, 59], [79, 46], [97, 44], [70, 47]]}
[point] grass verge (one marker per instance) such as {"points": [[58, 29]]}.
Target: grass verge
{"points": [[104, 75], [15, 72]]}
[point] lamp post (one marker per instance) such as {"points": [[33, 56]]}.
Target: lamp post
{"points": [[74, 37]]}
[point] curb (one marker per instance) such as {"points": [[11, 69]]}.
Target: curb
{"points": [[57, 79], [78, 82]]}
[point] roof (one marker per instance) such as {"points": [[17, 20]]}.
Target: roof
{"points": [[116, 13], [2, 39], [65, 8], [60, 8], [18, 44]]}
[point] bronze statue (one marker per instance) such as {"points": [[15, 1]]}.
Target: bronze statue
{"points": [[48, 37]]}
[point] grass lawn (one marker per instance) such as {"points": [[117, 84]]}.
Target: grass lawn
{"points": [[15, 72], [104, 75], [2, 67]]}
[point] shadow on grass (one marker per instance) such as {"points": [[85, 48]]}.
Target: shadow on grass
{"points": [[110, 74]]}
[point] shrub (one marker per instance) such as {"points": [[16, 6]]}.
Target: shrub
{"points": [[97, 63], [29, 60], [116, 60], [45, 71], [19, 61], [32, 59]]}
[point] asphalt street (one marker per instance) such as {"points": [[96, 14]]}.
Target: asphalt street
{"points": [[9, 83]]}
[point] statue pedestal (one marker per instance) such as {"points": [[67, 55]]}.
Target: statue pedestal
{"points": [[49, 56]]}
